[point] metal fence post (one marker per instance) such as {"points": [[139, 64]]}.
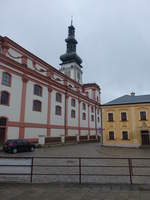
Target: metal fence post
{"points": [[80, 181], [31, 174], [130, 169]]}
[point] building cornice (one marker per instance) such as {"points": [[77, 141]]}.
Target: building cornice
{"points": [[30, 72]]}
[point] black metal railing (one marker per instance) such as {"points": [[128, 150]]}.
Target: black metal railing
{"points": [[81, 168]]}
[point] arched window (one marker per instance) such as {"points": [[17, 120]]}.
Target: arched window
{"points": [[38, 90], [37, 105], [58, 110], [6, 79], [58, 97], [4, 98]]}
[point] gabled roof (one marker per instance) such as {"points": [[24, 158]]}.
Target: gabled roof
{"points": [[129, 99]]}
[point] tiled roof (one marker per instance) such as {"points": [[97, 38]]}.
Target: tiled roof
{"points": [[129, 99]]}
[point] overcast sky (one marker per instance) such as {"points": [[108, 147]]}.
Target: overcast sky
{"points": [[113, 38]]}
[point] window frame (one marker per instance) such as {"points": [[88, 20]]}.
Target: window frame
{"points": [[10, 79], [33, 108], [8, 101], [109, 119], [60, 95], [92, 109], [125, 138], [73, 102], [34, 90], [110, 136], [92, 118], [122, 118], [83, 106], [73, 113], [83, 116], [144, 119], [58, 114]]}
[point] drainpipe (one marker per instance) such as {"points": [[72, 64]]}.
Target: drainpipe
{"points": [[95, 122], [101, 127]]}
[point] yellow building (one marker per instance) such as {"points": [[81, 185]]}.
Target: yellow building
{"points": [[126, 121]]}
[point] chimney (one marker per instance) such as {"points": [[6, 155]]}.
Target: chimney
{"points": [[132, 94]]}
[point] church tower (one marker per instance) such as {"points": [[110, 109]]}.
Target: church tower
{"points": [[71, 62]]}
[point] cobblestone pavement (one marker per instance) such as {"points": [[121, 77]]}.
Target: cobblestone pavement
{"points": [[72, 192], [90, 149]]}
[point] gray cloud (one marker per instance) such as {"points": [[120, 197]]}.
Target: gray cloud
{"points": [[113, 36]]}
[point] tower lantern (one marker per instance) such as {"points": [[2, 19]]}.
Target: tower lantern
{"points": [[71, 62]]}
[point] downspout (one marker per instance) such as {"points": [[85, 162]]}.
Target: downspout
{"points": [[101, 127]]}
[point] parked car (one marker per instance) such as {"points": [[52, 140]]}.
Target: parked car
{"points": [[14, 146]]}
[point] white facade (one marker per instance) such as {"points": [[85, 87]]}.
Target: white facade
{"points": [[26, 71]]}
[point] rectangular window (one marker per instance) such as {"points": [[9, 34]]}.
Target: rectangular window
{"points": [[83, 116], [37, 90], [73, 102], [37, 105], [58, 110], [142, 115], [58, 97], [92, 109], [125, 135], [110, 117], [73, 114], [6, 79], [83, 106], [123, 116], [92, 118], [111, 135]]}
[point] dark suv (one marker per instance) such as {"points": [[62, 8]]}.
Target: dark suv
{"points": [[14, 146]]}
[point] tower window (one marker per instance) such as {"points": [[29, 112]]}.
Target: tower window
{"points": [[38, 90], [78, 75], [5, 98], [6, 79], [58, 97], [37, 105]]}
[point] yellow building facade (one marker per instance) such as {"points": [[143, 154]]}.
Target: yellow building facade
{"points": [[126, 121]]}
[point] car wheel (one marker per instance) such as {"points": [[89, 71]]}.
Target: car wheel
{"points": [[32, 149], [14, 151]]}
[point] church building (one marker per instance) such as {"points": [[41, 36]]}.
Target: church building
{"points": [[39, 101]]}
